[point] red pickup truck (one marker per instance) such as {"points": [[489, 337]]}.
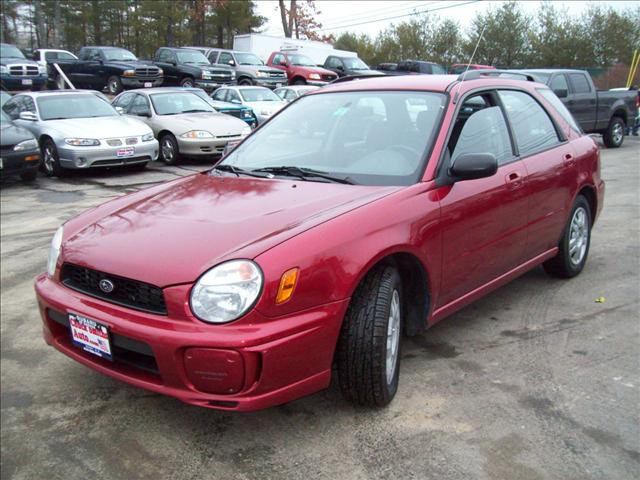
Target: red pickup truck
{"points": [[300, 69]]}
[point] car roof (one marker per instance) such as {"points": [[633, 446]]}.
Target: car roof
{"points": [[298, 87], [550, 70], [50, 93], [150, 91]]}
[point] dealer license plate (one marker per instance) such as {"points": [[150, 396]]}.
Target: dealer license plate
{"points": [[278, 85], [1, 165], [125, 152], [91, 336], [27, 81], [148, 84]]}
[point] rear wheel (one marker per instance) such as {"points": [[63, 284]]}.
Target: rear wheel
{"points": [[169, 149], [574, 245], [245, 81], [114, 85], [368, 352], [50, 159], [614, 135]]}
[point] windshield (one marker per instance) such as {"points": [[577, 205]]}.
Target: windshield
{"points": [[179, 102], [438, 69], [248, 59], [371, 138], [59, 107], [354, 64], [192, 57], [118, 54], [301, 60], [10, 51], [259, 95]]}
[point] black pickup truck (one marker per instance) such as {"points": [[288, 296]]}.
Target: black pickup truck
{"points": [[344, 66], [603, 112], [412, 67], [111, 67], [189, 68]]}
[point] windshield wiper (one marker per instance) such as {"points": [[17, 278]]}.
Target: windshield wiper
{"points": [[304, 173], [196, 110], [237, 170]]}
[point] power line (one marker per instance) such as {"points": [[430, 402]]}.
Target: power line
{"points": [[399, 16], [333, 24], [379, 11]]}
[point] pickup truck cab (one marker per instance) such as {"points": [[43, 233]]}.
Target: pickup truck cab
{"points": [[19, 73], [111, 67], [603, 112], [46, 57], [300, 69], [458, 68], [250, 70], [416, 67], [345, 66], [189, 68]]}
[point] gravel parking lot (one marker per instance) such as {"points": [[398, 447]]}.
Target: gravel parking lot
{"points": [[535, 381]]}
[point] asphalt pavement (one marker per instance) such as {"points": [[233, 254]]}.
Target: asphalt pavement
{"points": [[535, 381]]}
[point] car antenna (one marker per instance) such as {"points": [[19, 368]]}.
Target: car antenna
{"points": [[464, 74]]}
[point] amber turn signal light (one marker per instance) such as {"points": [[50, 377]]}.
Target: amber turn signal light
{"points": [[287, 285]]}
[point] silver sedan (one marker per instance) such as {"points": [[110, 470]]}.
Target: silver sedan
{"points": [[78, 130]]}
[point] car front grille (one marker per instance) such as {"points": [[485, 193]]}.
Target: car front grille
{"points": [[23, 70], [276, 75], [147, 71], [126, 292], [328, 78], [228, 136]]}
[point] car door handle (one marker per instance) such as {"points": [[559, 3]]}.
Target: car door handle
{"points": [[514, 179], [569, 161]]}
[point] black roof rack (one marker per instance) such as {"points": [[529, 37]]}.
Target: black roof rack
{"points": [[489, 72], [348, 78]]}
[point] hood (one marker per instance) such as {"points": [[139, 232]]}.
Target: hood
{"points": [[11, 134], [268, 106], [130, 65], [17, 61], [214, 123], [216, 69], [368, 71], [100, 127], [259, 68], [175, 232], [320, 70], [218, 105]]}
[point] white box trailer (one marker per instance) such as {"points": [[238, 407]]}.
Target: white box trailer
{"points": [[264, 45]]}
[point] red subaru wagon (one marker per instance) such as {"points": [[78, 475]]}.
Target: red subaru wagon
{"points": [[362, 212]]}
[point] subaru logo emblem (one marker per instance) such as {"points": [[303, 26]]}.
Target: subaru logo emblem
{"points": [[106, 285]]}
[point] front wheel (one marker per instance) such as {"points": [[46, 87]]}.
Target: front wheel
{"points": [[574, 245], [368, 352], [50, 159], [187, 82], [299, 81], [169, 149], [614, 135], [114, 85]]}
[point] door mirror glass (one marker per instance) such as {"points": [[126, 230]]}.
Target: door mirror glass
{"points": [[120, 110], [231, 63], [561, 93], [339, 67], [29, 116], [469, 166]]}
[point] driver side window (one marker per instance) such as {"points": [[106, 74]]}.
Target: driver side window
{"points": [[219, 95], [233, 97], [480, 128], [139, 106]]}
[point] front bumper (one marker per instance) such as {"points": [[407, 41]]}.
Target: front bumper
{"points": [[13, 162], [270, 83], [205, 146], [210, 85], [253, 363], [317, 83], [105, 156], [136, 82], [22, 82]]}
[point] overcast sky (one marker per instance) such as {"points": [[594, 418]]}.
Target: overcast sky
{"points": [[365, 16]]}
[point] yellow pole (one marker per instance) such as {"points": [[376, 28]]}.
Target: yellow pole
{"points": [[633, 68]]}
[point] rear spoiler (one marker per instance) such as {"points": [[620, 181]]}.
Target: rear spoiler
{"points": [[487, 72]]}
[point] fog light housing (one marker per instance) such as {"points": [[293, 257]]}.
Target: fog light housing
{"points": [[214, 370], [80, 162]]}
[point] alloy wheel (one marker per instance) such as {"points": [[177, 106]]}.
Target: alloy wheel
{"points": [[167, 150], [393, 336], [578, 236]]}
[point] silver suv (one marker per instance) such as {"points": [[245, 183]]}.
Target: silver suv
{"points": [[250, 70]]}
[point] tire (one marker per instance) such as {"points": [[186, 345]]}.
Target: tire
{"points": [[575, 242], [114, 85], [371, 329], [50, 159], [614, 134], [169, 152], [299, 81], [187, 82], [245, 81], [29, 175]]}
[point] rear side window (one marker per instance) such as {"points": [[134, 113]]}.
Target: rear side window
{"points": [[534, 130], [556, 103], [579, 83]]}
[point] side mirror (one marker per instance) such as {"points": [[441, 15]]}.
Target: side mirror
{"points": [[340, 67], [232, 63], [561, 93], [283, 63], [144, 114], [235, 100], [120, 110], [469, 166], [29, 116]]}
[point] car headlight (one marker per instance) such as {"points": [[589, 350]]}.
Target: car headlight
{"points": [[42, 68], [54, 252], [82, 142], [233, 75], [160, 71], [4, 69], [246, 114], [205, 76], [148, 137], [314, 76], [261, 74], [227, 291], [129, 73], [26, 145], [246, 131], [196, 134]]}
